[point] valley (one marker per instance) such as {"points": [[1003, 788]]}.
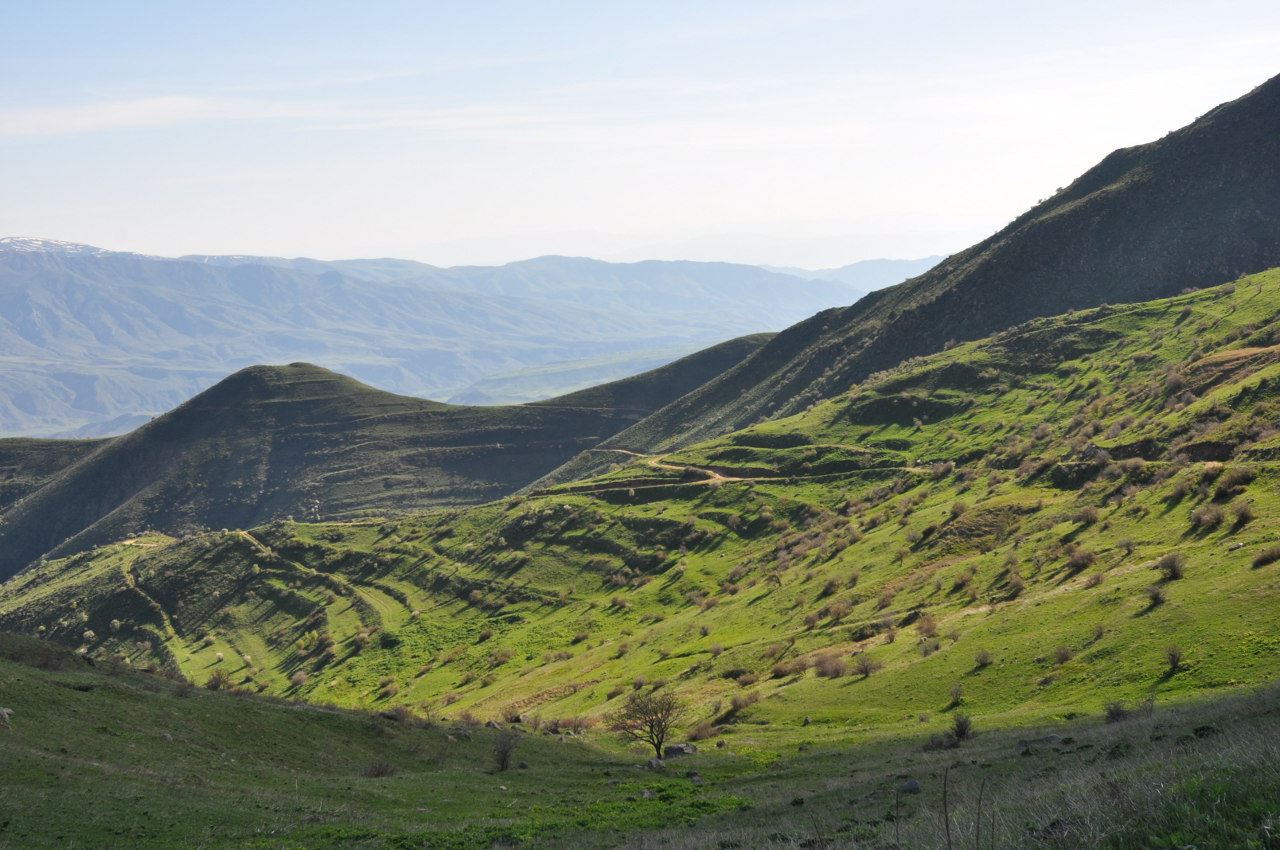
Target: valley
{"points": [[989, 557]]}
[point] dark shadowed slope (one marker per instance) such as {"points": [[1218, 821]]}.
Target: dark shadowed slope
{"points": [[1198, 207], [275, 441]]}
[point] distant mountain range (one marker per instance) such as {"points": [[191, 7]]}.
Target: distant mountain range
{"points": [[95, 342], [867, 275]]}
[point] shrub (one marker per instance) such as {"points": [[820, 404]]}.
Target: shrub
{"points": [[715, 650], [219, 680], [1206, 517], [1063, 654], [832, 667], [982, 659], [741, 701], [1233, 482], [1171, 566], [702, 731], [1087, 515], [1079, 559], [1173, 655], [1115, 711], [504, 747], [962, 727], [957, 693], [747, 679], [958, 509], [1242, 511], [378, 770], [864, 665], [794, 667], [1155, 595], [1269, 555], [927, 626]]}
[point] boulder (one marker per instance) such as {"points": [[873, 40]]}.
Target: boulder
{"points": [[674, 750]]}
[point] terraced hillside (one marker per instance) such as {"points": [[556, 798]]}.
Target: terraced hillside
{"points": [[1081, 510], [299, 440]]}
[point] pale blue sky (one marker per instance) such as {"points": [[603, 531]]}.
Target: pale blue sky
{"points": [[793, 133]]}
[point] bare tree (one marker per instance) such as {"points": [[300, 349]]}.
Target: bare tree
{"points": [[504, 747], [647, 717]]}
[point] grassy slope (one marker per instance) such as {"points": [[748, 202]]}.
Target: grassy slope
{"points": [[832, 533], [845, 529], [299, 440]]}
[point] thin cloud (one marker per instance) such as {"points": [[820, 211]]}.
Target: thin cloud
{"points": [[129, 114]]}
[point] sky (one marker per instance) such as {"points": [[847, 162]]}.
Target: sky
{"points": [[798, 133]]}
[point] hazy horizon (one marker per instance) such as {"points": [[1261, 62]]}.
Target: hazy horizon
{"points": [[812, 135]]}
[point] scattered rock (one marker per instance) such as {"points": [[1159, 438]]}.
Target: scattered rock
{"points": [[803, 747], [648, 795], [167, 737], [492, 724], [612, 783], [807, 721], [656, 764], [524, 765], [675, 750], [911, 786], [502, 788]]}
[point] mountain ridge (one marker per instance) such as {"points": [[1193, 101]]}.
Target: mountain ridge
{"points": [[273, 441], [1197, 207]]}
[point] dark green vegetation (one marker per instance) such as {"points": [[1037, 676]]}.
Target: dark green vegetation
{"points": [[271, 442], [1196, 208], [90, 341], [1020, 528]]}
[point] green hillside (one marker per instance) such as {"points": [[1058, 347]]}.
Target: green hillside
{"points": [[1020, 528], [298, 440]]}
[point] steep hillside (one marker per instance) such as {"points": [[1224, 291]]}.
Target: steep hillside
{"points": [[299, 440], [1197, 207], [90, 337], [1079, 511]]}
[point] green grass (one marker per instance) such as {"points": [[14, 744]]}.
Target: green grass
{"points": [[134, 759], [1017, 494]]}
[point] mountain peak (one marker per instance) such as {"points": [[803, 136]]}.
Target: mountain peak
{"points": [[35, 245]]}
